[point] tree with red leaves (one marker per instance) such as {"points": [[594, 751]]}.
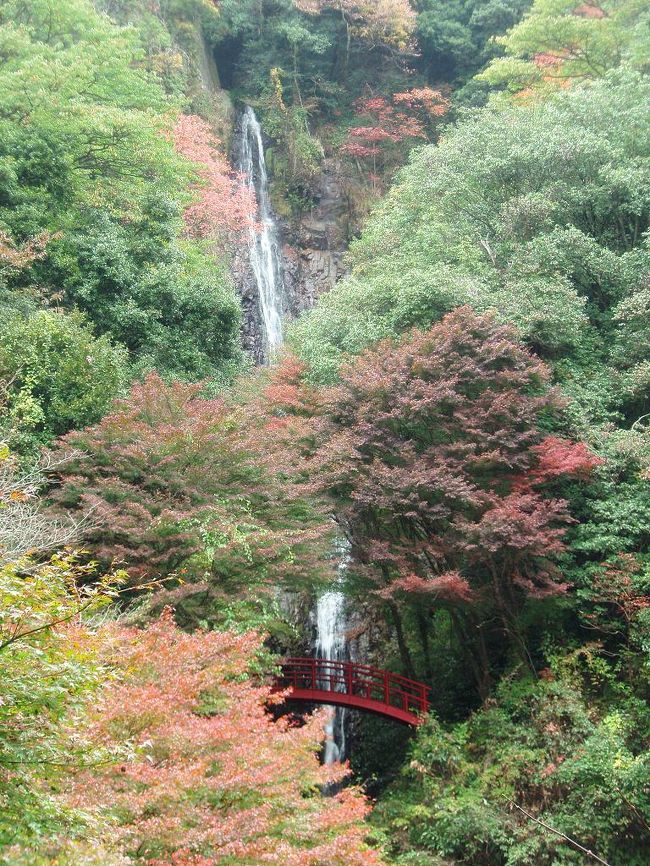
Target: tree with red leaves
{"points": [[174, 484], [432, 455], [195, 770], [408, 116], [223, 205]]}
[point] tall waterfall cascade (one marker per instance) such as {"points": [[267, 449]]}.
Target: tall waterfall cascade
{"points": [[265, 255], [264, 247], [331, 643]]}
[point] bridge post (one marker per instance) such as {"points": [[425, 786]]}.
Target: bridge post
{"points": [[314, 675], [348, 678], [386, 688]]}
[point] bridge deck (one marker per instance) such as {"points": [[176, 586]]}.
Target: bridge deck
{"points": [[357, 686]]}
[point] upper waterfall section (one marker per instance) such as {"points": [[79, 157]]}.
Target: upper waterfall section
{"points": [[264, 247]]}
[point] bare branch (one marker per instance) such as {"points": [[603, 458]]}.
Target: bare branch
{"points": [[24, 528], [562, 835]]}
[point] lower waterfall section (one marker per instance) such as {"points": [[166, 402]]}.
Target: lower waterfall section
{"points": [[332, 645]]}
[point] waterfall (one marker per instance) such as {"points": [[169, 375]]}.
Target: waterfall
{"points": [[331, 644], [266, 264], [263, 241]]}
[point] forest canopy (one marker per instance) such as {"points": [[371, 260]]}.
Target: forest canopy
{"points": [[539, 212]]}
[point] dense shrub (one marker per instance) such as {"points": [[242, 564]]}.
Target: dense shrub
{"points": [[548, 747]]}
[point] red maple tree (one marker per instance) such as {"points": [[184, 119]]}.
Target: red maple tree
{"points": [[433, 459], [174, 484], [406, 116]]}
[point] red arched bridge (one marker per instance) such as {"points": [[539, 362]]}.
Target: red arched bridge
{"points": [[361, 687]]}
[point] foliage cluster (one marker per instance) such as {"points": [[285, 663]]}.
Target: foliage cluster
{"points": [[90, 178], [569, 746], [209, 778], [561, 42], [49, 673], [388, 124], [456, 39], [150, 745], [553, 748], [539, 212], [176, 485], [334, 49], [55, 375], [48, 666], [434, 456]]}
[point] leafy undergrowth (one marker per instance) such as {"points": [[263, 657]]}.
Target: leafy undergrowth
{"points": [[570, 758]]}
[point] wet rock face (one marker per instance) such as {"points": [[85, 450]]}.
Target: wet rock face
{"points": [[309, 273], [252, 339], [315, 245]]}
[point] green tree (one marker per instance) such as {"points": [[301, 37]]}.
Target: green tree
{"points": [[455, 37], [48, 673], [56, 375], [536, 212], [47, 677], [550, 747], [86, 155], [168, 301], [563, 41]]}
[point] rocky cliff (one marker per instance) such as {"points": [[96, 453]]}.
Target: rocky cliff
{"points": [[315, 243]]}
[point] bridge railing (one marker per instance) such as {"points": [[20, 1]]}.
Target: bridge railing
{"points": [[359, 680]]}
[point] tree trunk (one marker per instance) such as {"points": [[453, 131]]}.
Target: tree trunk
{"points": [[404, 652], [508, 611], [423, 628], [472, 641], [342, 61]]}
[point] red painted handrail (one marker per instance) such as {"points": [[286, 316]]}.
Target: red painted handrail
{"points": [[355, 685]]}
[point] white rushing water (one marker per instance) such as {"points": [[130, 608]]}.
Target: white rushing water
{"points": [[264, 244], [331, 644]]}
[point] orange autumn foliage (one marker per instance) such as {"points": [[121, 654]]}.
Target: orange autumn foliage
{"points": [[210, 778]]}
